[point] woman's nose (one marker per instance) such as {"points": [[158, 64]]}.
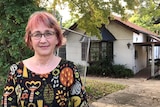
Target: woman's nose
{"points": [[43, 39]]}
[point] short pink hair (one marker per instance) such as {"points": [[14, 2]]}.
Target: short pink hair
{"points": [[47, 19]]}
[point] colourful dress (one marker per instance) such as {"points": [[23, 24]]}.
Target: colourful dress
{"points": [[62, 87]]}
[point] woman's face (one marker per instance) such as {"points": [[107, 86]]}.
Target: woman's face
{"points": [[43, 40]]}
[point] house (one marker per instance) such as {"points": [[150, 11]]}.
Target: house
{"points": [[123, 41], [157, 21]]}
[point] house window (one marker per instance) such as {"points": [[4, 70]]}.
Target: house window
{"points": [[94, 51], [84, 50], [104, 49], [62, 52], [99, 50]]}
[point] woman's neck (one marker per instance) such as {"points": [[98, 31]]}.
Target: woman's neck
{"points": [[42, 65], [43, 61]]}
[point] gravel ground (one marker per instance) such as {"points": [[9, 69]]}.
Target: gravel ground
{"points": [[139, 93]]}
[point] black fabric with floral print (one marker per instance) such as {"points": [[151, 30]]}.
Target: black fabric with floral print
{"points": [[62, 87]]}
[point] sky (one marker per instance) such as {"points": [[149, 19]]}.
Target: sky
{"points": [[64, 11], [65, 14]]}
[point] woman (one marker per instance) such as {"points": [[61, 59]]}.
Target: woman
{"points": [[43, 80]]}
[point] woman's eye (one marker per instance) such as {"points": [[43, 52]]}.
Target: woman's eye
{"points": [[48, 34], [37, 35]]}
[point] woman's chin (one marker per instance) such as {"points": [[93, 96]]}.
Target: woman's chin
{"points": [[45, 53]]}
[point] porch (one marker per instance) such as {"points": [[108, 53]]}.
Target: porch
{"points": [[146, 73]]}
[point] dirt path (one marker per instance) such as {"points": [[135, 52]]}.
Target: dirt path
{"points": [[139, 93]]}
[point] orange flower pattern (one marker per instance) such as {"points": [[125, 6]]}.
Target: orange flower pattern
{"points": [[62, 87]]}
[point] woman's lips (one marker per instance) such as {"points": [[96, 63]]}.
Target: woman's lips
{"points": [[43, 47]]}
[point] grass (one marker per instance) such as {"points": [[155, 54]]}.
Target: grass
{"points": [[97, 89]]}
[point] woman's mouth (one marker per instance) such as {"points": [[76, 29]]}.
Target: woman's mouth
{"points": [[43, 47]]}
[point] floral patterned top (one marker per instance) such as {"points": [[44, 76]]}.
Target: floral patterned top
{"points": [[62, 87]]}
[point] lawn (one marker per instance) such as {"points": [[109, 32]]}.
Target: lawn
{"points": [[97, 89]]}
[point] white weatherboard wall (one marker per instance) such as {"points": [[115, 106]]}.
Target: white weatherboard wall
{"points": [[73, 48], [138, 38], [141, 59], [157, 52], [122, 54], [141, 51]]}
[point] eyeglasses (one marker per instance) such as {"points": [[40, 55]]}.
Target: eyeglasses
{"points": [[47, 35]]}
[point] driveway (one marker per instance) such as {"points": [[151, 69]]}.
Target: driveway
{"points": [[139, 93]]}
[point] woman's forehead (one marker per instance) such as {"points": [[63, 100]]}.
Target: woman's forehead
{"points": [[41, 28], [38, 19]]}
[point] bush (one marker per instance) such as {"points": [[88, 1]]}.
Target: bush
{"points": [[14, 16], [105, 67], [102, 67], [120, 71], [94, 70]]}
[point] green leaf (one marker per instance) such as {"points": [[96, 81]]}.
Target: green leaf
{"points": [[14, 15]]}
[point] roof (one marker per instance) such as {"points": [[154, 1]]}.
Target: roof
{"points": [[147, 43], [136, 28], [157, 21], [106, 34], [71, 28]]}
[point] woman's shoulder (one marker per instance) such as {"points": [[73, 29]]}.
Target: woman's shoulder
{"points": [[16, 68], [65, 61], [16, 65]]}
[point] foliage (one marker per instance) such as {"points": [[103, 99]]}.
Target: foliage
{"points": [[2, 81], [93, 13], [55, 13], [105, 67], [97, 89], [14, 15], [120, 71], [81, 69], [148, 12], [70, 22], [102, 67]]}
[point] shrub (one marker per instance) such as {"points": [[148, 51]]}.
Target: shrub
{"points": [[121, 71], [105, 67], [94, 70], [14, 16], [102, 67]]}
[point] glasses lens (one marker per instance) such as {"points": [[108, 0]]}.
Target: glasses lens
{"points": [[47, 35], [36, 35]]}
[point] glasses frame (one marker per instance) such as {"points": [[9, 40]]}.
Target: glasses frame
{"points": [[50, 34]]}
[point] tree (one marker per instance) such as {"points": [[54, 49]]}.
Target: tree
{"points": [[93, 13], [14, 16], [146, 16]]}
